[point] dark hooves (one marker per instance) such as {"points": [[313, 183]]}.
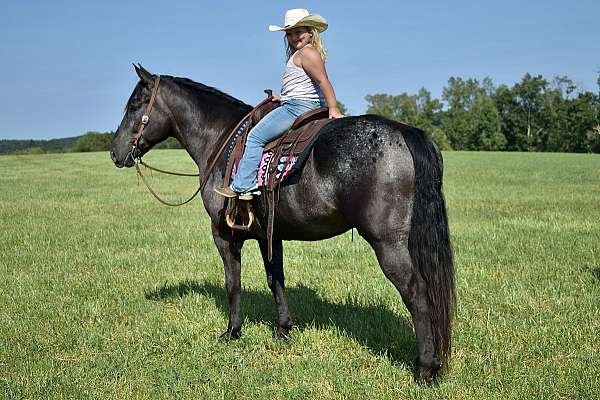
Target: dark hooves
{"points": [[427, 375], [230, 334], [283, 334]]}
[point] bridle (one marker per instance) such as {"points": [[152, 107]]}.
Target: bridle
{"points": [[138, 159], [145, 119]]}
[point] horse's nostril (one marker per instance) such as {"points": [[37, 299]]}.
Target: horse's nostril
{"points": [[113, 156]]}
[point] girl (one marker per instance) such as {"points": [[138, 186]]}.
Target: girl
{"points": [[305, 87]]}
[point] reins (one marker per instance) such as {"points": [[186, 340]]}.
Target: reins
{"points": [[166, 203], [167, 172]]}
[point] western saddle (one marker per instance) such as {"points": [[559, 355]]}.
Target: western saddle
{"points": [[239, 214]]}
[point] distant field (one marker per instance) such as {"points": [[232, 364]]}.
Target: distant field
{"points": [[107, 294]]}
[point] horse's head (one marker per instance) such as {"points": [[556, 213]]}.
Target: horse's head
{"points": [[128, 144]]}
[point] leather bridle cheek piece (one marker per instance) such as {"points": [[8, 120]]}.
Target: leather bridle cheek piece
{"points": [[145, 118]]}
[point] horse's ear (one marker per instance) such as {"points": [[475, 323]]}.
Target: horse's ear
{"points": [[146, 77]]}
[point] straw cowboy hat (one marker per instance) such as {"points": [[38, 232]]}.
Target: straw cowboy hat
{"points": [[300, 17]]}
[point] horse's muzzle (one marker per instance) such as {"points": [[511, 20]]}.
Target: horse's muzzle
{"points": [[128, 162]]}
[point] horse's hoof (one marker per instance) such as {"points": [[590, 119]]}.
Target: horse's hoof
{"points": [[230, 334], [428, 373], [426, 376], [283, 333]]}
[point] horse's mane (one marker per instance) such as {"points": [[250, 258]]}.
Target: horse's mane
{"points": [[194, 88]]}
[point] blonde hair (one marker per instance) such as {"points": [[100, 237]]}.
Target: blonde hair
{"points": [[315, 41]]}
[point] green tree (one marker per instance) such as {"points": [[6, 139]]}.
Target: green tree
{"points": [[420, 110], [593, 136], [30, 150], [592, 140], [576, 126], [532, 115], [530, 110], [510, 119], [169, 143], [93, 141], [534, 110], [472, 120], [484, 126], [342, 108], [385, 105]]}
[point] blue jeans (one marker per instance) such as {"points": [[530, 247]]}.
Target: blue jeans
{"points": [[273, 125]]}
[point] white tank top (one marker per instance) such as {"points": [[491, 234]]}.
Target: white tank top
{"points": [[298, 85]]}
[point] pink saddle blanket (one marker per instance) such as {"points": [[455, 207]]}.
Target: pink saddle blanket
{"points": [[265, 165]]}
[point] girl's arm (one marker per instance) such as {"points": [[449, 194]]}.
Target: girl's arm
{"points": [[313, 65]]}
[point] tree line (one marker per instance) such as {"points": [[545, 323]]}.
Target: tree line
{"points": [[533, 115], [88, 142]]}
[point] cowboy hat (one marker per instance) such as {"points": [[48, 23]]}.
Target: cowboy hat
{"points": [[300, 17]]}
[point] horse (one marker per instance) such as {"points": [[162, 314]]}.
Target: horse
{"points": [[378, 176]]}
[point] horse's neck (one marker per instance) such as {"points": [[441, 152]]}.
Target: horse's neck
{"points": [[200, 136]]}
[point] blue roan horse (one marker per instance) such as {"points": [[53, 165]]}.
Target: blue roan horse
{"points": [[367, 172]]}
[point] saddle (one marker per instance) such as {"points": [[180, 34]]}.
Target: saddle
{"points": [[281, 151], [296, 141]]}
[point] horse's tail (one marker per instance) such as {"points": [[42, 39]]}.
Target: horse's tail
{"points": [[429, 240]]}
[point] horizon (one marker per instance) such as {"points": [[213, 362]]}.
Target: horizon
{"points": [[69, 69]]}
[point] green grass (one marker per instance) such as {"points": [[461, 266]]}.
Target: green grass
{"points": [[107, 294]]}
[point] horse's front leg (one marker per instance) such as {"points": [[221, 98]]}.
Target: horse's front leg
{"points": [[275, 280], [230, 251]]}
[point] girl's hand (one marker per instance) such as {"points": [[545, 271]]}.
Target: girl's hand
{"points": [[335, 113], [276, 98]]}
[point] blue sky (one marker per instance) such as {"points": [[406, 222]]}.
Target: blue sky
{"points": [[66, 65]]}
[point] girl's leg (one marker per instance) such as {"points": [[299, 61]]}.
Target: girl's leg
{"points": [[270, 127]]}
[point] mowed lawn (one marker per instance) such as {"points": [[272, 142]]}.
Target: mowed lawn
{"points": [[105, 293]]}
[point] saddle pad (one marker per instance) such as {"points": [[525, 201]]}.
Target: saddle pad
{"points": [[294, 164], [265, 165]]}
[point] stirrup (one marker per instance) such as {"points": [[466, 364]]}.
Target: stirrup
{"points": [[245, 196], [242, 210]]}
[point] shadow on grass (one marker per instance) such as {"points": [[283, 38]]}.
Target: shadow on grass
{"points": [[596, 272], [373, 326]]}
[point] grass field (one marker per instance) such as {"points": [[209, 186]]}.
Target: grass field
{"points": [[107, 294]]}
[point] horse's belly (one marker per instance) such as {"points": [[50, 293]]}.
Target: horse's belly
{"points": [[309, 229], [303, 211]]}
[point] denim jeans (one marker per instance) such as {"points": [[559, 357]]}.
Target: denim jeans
{"points": [[270, 127]]}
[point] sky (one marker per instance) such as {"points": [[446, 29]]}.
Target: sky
{"points": [[66, 66]]}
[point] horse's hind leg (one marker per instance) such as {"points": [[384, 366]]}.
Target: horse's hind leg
{"points": [[275, 280], [395, 261], [230, 251]]}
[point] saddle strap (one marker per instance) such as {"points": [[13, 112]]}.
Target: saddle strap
{"points": [[270, 222]]}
